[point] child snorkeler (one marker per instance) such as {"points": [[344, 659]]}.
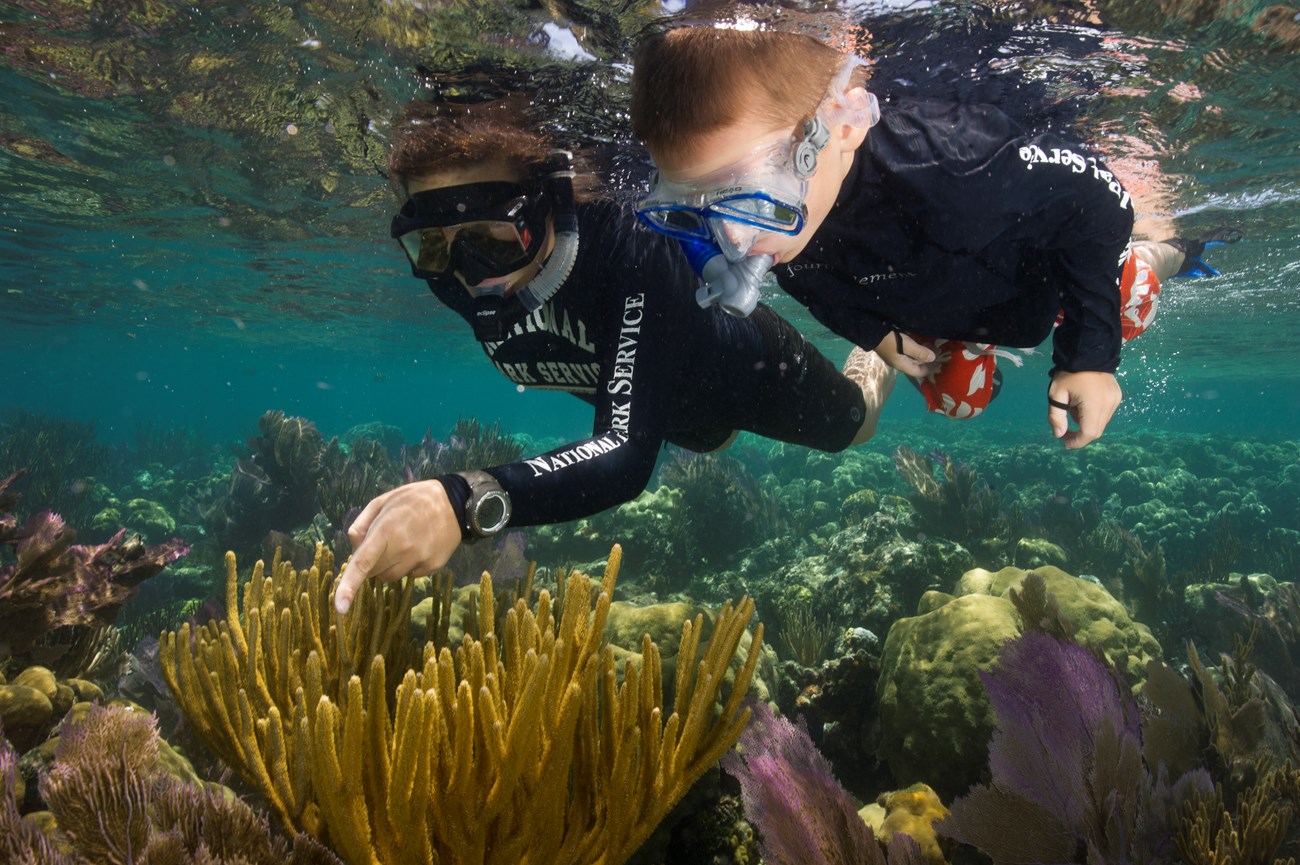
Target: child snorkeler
{"points": [[935, 241]]}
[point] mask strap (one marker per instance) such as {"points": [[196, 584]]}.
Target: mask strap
{"points": [[815, 135], [854, 106]]}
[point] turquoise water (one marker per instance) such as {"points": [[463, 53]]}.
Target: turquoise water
{"points": [[192, 247], [194, 232]]}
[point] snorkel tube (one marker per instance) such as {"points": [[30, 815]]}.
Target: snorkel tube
{"points": [[494, 313], [730, 285], [558, 183]]}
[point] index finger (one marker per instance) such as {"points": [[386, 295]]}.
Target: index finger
{"points": [[359, 567]]}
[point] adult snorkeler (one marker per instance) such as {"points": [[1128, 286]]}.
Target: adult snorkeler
{"points": [[942, 236], [577, 296]]}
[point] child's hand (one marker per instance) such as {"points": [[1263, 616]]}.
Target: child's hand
{"points": [[906, 354], [1089, 397]]}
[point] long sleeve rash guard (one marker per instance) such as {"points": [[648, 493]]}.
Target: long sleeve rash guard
{"points": [[624, 333], [955, 223]]}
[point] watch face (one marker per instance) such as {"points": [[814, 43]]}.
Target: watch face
{"points": [[491, 513]]}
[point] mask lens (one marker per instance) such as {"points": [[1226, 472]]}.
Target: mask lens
{"points": [[498, 245], [496, 242], [675, 221], [760, 210], [427, 248]]}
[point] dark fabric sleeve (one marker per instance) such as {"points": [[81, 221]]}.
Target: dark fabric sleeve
{"points": [[1081, 219], [642, 283], [1090, 245], [857, 325], [976, 181]]}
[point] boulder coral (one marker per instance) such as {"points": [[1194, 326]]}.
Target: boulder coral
{"points": [[1099, 620], [935, 717]]}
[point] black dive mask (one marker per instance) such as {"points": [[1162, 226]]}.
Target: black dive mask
{"points": [[478, 230]]}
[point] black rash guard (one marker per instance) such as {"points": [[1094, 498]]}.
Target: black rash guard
{"points": [[955, 223], [625, 334]]}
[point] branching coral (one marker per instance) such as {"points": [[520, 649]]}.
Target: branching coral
{"points": [[1249, 834], [114, 804], [724, 510], [276, 485], [349, 479], [472, 445], [62, 456], [55, 590], [806, 635], [525, 746]]}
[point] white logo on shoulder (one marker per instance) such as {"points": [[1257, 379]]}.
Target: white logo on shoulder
{"points": [[1032, 154]]}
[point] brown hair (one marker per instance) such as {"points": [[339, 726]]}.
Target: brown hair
{"points": [[690, 81], [429, 138]]}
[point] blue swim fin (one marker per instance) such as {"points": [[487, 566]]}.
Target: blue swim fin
{"points": [[1194, 248]]}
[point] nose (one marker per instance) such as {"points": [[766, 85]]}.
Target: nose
{"points": [[734, 238]]}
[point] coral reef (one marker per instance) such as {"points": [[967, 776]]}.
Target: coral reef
{"points": [[955, 503], [1077, 788], [931, 707], [805, 635], [471, 445], [527, 739], [56, 595], [62, 458], [275, 485], [111, 801], [723, 508], [33, 702], [912, 811]]}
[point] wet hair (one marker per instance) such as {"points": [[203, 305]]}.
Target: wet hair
{"points": [[428, 138], [689, 81]]}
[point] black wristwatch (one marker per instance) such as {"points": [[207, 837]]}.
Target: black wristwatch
{"points": [[487, 510]]}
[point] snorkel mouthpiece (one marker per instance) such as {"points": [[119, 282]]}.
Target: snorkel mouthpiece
{"points": [[488, 306], [730, 285]]}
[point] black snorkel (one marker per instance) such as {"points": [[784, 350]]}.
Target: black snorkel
{"points": [[494, 314]]}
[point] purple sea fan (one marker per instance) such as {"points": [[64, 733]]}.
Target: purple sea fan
{"points": [[804, 816], [1069, 783]]}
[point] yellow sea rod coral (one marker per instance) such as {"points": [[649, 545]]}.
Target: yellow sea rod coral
{"points": [[524, 749]]}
